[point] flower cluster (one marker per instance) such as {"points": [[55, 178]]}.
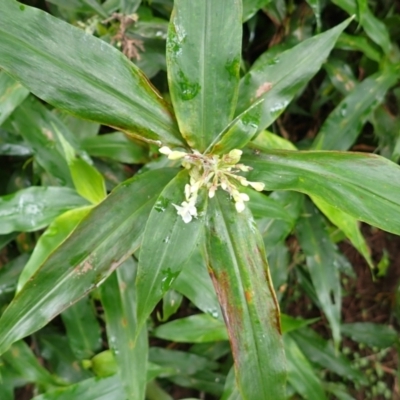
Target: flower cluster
{"points": [[211, 171]]}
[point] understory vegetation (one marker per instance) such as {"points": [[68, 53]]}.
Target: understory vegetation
{"points": [[199, 199]]}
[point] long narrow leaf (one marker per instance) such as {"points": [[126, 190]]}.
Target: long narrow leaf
{"points": [[239, 270], [118, 296], [279, 80], [79, 73], [102, 241], [12, 94], [167, 244], [365, 186], [35, 207], [203, 70]]}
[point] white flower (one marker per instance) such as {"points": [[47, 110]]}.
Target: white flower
{"points": [[165, 150], [187, 210], [176, 155], [239, 205], [259, 186]]}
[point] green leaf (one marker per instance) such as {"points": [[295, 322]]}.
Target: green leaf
{"points": [[262, 206], [290, 324], [54, 235], [171, 302], [195, 283], [9, 274], [301, 374], [240, 131], [90, 389], [21, 358], [83, 329], [88, 181], [83, 74], [373, 27], [55, 349], [34, 122], [365, 186], [167, 245], [101, 242], [278, 80], [35, 207], [348, 225], [370, 334], [12, 94], [320, 256], [340, 130], [118, 296], [239, 270], [341, 75], [322, 353], [250, 7], [203, 70], [199, 328], [316, 7], [267, 140], [116, 146], [180, 362], [358, 43]]}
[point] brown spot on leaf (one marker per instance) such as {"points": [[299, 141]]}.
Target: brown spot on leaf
{"points": [[124, 322], [264, 88], [48, 133], [249, 296]]}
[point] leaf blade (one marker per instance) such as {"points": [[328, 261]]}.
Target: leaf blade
{"points": [[239, 271], [83, 75], [98, 245], [203, 71], [365, 186]]}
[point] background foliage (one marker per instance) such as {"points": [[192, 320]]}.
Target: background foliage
{"points": [[55, 168]]}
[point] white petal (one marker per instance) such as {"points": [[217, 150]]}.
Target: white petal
{"points": [[239, 206], [186, 218], [244, 197], [176, 155], [259, 186], [165, 150]]}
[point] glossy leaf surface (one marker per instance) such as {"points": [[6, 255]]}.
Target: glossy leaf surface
{"points": [[340, 130], [83, 329], [239, 270], [365, 186], [115, 146], [79, 73], [167, 244], [90, 389], [118, 296], [371, 334], [12, 94], [250, 7], [203, 70], [373, 27], [348, 225], [88, 181], [102, 241], [199, 328], [320, 258], [301, 374], [22, 359], [278, 80], [54, 235], [35, 207], [35, 123], [195, 283], [322, 353], [240, 131]]}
